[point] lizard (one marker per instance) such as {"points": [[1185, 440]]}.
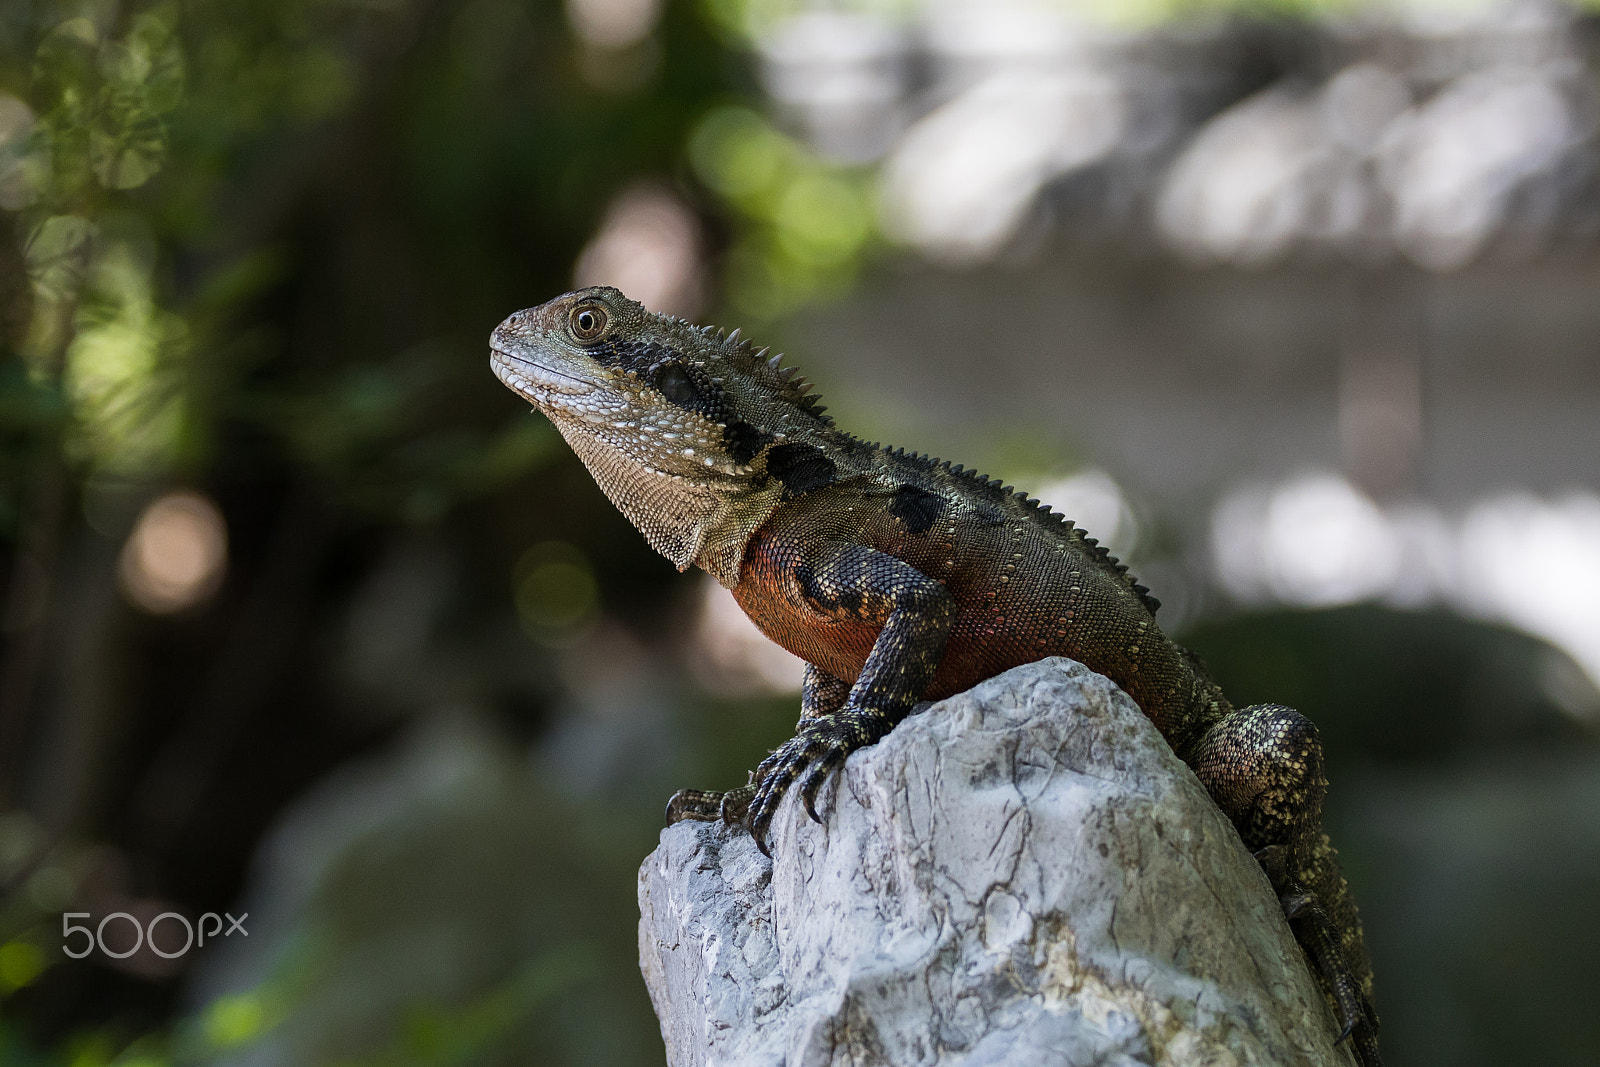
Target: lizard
{"points": [[900, 578]]}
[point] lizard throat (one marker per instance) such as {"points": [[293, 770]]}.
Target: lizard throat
{"points": [[684, 521]]}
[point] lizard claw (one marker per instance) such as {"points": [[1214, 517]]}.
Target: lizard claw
{"points": [[774, 776], [1320, 940], [1295, 905], [818, 749], [701, 805], [1274, 860], [820, 773]]}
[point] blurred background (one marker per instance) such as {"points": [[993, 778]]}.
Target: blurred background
{"points": [[1296, 303]]}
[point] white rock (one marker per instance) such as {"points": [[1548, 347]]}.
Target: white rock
{"points": [[1023, 874]]}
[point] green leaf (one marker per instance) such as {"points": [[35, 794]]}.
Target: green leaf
{"points": [[58, 254], [63, 65], [127, 147], [151, 59]]}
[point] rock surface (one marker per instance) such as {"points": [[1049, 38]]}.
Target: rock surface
{"points": [[1023, 874]]}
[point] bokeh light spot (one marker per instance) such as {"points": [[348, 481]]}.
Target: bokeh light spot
{"points": [[1095, 503], [613, 24], [20, 963], [822, 219], [730, 657], [234, 1020], [51, 888], [649, 247], [736, 153], [177, 554], [555, 592]]}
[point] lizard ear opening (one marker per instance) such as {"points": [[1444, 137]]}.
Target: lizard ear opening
{"points": [[675, 384], [588, 321]]}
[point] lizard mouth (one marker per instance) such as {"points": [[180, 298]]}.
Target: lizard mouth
{"points": [[530, 378]]}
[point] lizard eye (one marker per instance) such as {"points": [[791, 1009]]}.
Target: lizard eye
{"points": [[589, 321]]}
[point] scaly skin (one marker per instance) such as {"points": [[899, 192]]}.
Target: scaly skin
{"points": [[899, 578]]}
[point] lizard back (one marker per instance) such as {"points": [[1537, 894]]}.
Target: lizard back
{"points": [[1027, 583]]}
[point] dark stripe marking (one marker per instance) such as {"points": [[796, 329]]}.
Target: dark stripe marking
{"points": [[801, 468], [917, 509], [744, 441]]}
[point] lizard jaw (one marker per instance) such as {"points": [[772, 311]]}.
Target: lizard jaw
{"points": [[530, 379]]}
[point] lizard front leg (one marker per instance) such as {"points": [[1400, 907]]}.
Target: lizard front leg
{"points": [[822, 694], [854, 583]]}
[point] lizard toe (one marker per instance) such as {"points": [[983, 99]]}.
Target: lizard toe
{"points": [[698, 805], [780, 770], [758, 819], [1319, 938], [734, 810], [813, 783]]}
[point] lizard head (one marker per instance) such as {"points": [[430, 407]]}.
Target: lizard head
{"points": [[680, 399], [674, 420]]}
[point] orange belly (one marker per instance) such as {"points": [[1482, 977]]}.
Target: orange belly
{"points": [[983, 641]]}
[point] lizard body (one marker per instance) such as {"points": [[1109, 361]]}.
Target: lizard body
{"points": [[900, 578]]}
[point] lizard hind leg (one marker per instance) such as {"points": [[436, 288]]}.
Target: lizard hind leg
{"points": [[705, 805], [1264, 767]]}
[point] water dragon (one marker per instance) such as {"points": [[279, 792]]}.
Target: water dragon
{"points": [[900, 578]]}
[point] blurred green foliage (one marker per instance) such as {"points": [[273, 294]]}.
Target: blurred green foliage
{"points": [[807, 222], [155, 162], [255, 248]]}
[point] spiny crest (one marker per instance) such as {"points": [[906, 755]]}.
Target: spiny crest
{"points": [[1045, 512], [746, 358]]}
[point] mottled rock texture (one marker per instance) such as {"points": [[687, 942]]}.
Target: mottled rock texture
{"points": [[1022, 874]]}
